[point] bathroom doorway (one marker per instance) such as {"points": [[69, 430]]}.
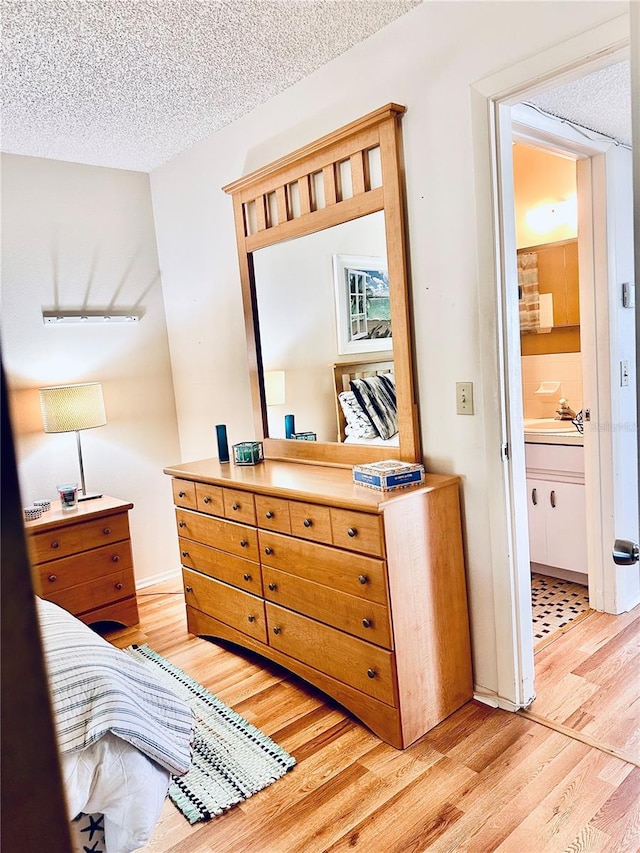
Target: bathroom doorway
{"points": [[583, 371], [546, 227]]}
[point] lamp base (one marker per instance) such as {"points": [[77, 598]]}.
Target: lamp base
{"points": [[88, 497]]}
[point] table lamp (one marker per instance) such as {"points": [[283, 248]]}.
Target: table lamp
{"points": [[71, 408]]}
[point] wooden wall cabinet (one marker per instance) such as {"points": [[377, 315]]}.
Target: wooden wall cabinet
{"points": [[359, 592]]}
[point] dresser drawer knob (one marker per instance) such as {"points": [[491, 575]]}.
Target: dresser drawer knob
{"points": [[235, 507], [188, 589], [55, 544], [243, 543], [247, 576], [52, 578], [115, 559], [268, 550], [268, 514], [307, 522], [277, 629], [185, 553], [352, 532], [371, 673], [207, 500], [363, 579], [107, 531], [118, 585], [181, 494], [366, 623], [251, 618], [273, 586], [182, 524]]}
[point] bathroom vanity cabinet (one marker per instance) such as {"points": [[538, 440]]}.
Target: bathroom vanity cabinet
{"points": [[556, 507], [361, 593]]}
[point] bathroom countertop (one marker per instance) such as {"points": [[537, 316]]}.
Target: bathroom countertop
{"points": [[549, 437]]}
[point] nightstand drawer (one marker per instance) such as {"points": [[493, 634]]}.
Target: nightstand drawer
{"points": [[364, 666], [220, 565], [347, 612], [236, 608], [80, 568], [73, 538], [95, 593]]}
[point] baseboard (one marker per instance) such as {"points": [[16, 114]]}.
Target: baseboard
{"points": [[561, 574], [159, 578]]}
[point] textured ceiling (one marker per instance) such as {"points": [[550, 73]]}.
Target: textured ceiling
{"points": [[130, 83], [600, 101]]}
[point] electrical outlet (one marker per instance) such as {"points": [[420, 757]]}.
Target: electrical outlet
{"points": [[624, 374], [464, 398]]}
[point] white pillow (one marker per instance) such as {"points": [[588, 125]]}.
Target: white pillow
{"points": [[358, 424]]}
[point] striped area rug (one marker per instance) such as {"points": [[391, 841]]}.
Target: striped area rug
{"points": [[232, 759]]}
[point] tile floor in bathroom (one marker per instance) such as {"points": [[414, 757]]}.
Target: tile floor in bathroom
{"points": [[556, 606]]}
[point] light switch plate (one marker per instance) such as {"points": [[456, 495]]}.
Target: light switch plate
{"points": [[624, 374], [464, 398]]}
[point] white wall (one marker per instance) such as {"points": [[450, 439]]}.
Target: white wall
{"points": [[426, 60], [83, 237]]}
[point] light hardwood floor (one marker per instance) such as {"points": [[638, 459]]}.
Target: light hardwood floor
{"points": [[483, 780]]}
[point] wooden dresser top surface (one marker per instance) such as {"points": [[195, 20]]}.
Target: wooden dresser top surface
{"points": [[314, 483]]}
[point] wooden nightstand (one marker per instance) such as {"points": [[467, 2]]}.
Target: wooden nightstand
{"points": [[81, 559]]}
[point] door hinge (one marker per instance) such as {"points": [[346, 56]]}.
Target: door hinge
{"points": [[504, 451]]}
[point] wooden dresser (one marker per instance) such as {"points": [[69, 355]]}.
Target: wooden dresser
{"points": [[81, 559], [359, 592]]}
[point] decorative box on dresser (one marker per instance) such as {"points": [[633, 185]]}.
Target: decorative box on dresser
{"points": [[361, 593], [81, 560]]}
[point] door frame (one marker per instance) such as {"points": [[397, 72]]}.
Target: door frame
{"points": [[491, 100]]}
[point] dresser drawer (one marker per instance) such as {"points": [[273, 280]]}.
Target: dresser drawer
{"points": [[236, 608], [310, 521], [94, 593], [184, 493], [362, 665], [80, 568], [355, 574], [238, 506], [273, 513], [220, 565], [73, 538], [209, 499], [357, 616], [357, 531], [218, 533]]}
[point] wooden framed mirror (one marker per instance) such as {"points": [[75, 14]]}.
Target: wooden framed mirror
{"points": [[333, 206]]}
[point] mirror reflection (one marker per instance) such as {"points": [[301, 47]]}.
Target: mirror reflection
{"points": [[313, 315]]}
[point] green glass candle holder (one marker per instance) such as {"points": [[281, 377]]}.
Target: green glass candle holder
{"points": [[248, 453]]}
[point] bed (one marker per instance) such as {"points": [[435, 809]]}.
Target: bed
{"points": [[365, 397], [121, 733]]}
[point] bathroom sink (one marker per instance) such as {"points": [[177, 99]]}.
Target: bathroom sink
{"points": [[549, 425]]}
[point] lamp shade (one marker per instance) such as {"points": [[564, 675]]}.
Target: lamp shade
{"points": [[68, 408]]}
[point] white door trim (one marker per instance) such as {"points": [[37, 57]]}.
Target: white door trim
{"points": [[503, 416]]}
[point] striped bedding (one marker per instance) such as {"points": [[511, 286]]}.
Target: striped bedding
{"points": [[96, 688]]}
